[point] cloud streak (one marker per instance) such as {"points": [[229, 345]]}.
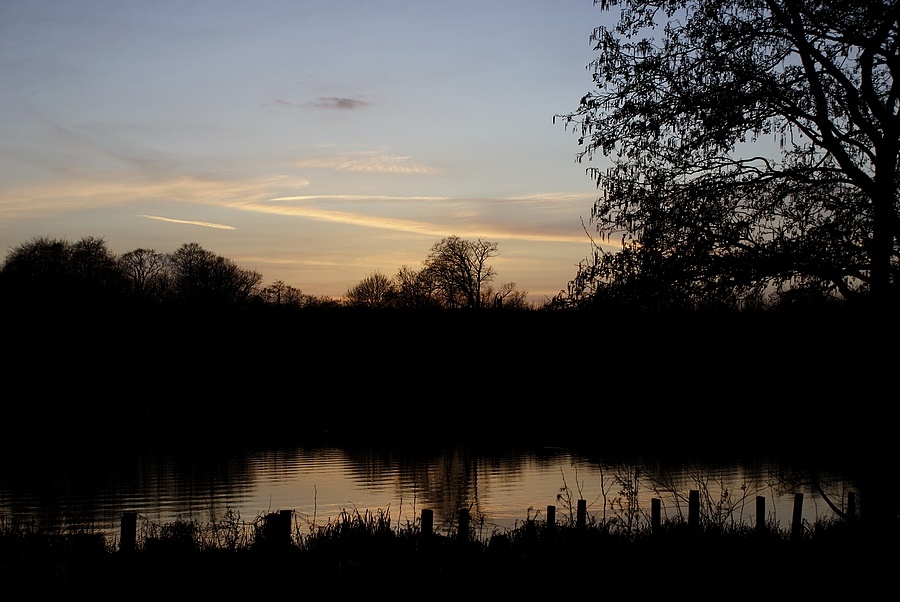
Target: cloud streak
{"points": [[408, 226], [339, 103], [432, 216], [86, 192], [330, 103], [358, 197], [369, 162], [189, 222]]}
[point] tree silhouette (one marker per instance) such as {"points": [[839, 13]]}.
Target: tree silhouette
{"points": [[55, 271], [460, 270], [506, 296], [201, 276], [284, 295], [687, 94], [375, 290], [415, 288], [38, 269], [146, 270]]}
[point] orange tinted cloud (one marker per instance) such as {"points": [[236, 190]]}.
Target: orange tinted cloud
{"points": [[399, 224]]}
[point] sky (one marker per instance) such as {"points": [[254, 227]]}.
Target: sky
{"points": [[314, 141]]}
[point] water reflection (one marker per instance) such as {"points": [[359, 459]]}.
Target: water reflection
{"points": [[501, 488]]}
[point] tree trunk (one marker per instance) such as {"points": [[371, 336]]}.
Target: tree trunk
{"points": [[883, 233]]}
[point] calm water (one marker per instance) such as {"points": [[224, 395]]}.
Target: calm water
{"points": [[73, 490]]}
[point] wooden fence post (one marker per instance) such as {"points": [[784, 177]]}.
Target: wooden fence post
{"points": [[760, 514], [427, 521], [581, 521], [276, 531], [694, 510], [797, 523], [128, 536], [286, 524], [462, 531], [655, 515], [551, 518]]}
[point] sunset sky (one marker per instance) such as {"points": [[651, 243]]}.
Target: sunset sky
{"points": [[313, 141]]}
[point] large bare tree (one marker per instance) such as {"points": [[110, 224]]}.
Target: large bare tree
{"points": [[752, 146], [460, 270]]}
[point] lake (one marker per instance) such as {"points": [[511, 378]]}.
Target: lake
{"points": [[501, 486]]}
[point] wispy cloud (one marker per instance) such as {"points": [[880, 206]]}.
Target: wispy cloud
{"points": [[189, 222], [82, 191], [358, 197], [409, 226], [431, 216], [369, 162], [337, 102], [348, 217], [555, 197]]}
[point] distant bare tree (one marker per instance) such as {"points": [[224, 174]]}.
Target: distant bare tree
{"points": [[94, 265], [415, 288], [506, 297], [285, 295], [202, 276], [460, 270], [145, 269], [375, 290]]}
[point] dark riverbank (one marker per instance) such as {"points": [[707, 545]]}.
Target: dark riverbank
{"points": [[378, 562], [772, 381]]}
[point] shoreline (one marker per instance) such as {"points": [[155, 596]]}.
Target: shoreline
{"points": [[361, 555]]}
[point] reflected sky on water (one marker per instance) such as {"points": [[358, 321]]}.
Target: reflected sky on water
{"points": [[501, 489]]}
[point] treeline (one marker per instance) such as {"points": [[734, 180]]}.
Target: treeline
{"points": [[46, 271], [85, 273], [455, 274]]}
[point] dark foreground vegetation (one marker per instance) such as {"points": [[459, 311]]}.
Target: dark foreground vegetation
{"points": [[364, 554]]}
